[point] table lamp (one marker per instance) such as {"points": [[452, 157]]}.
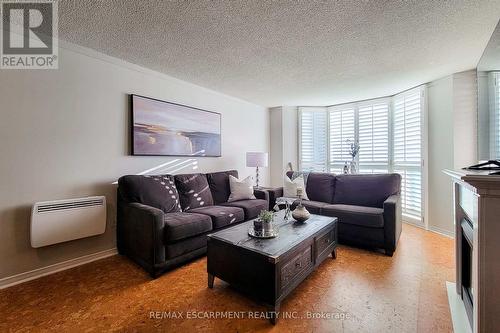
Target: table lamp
{"points": [[257, 159]]}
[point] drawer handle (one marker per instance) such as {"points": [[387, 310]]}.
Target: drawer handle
{"points": [[297, 264], [327, 240]]}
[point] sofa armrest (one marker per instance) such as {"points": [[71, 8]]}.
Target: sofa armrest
{"points": [[261, 194], [274, 193], [140, 234], [393, 219]]}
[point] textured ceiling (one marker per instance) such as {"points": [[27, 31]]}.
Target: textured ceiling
{"points": [[288, 52], [490, 60]]}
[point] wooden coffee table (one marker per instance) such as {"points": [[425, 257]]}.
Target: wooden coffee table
{"points": [[269, 269]]}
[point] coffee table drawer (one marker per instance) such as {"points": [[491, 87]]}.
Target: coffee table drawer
{"points": [[324, 243], [293, 268]]}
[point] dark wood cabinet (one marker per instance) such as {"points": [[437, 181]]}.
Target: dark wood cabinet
{"points": [[269, 269]]}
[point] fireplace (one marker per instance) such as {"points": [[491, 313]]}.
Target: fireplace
{"points": [[477, 244], [466, 280]]}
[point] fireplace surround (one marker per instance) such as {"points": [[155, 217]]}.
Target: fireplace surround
{"points": [[477, 244]]}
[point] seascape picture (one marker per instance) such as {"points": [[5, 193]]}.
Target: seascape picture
{"points": [[168, 129]]}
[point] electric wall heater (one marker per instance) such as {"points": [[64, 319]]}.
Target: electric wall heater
{"points": [[64, 220]]}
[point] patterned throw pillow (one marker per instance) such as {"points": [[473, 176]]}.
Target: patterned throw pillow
{"points": [[167, 181], [157, 191], [194, 191]]}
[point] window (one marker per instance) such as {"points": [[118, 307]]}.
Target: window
{"points": [[407, 150], [373, 138], [389, 132], [341, 130], [366, 123]]}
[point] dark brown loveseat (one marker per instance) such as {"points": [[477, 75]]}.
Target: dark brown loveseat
{"points": [[368, 206], [163, 220]]}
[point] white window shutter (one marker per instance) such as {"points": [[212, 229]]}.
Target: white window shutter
{"points": [[407, 142], [373, 137], [342, 127]]}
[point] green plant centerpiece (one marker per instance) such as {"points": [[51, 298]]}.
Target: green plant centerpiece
{"points": [[266, 217]]}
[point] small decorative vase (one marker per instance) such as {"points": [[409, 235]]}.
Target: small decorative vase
{"points": [[353, 168], [267, 226], [346, 168], [257, 225], [300, 213]]}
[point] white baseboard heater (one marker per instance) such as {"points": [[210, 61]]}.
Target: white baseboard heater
{"points": [[59, 221]]}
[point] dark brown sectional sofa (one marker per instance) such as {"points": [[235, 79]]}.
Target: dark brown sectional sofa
{"points": [[368, 206], [163, 220]]}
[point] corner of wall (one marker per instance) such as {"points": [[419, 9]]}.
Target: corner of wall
{"points": [[465, 119]]}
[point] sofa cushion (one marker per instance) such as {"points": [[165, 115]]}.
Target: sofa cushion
{"points": [[193, 190], [357, 215], [155, 191], [320, 186], [251, 208], [361, 236], [314, 207], [183, 225], [221, 215], [366, 190], [185, 246], [219, 185]]}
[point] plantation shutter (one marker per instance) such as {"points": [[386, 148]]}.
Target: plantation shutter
{"points": [[407, 150], [342, 128], [373, 136], [313, 136]]}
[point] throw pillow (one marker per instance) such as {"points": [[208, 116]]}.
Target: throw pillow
{"points": [[157, 191], [290, 187], [193, 190], [240, 189]]}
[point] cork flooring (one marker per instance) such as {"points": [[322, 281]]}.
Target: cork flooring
{"points": [[361, 291]]}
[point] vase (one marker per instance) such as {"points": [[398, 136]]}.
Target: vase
{"points": [[301, 214], [257, 225], [346, 168], [353, 167], [267, 226]]}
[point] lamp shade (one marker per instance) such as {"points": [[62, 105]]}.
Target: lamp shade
{"points": [[256, 159]]}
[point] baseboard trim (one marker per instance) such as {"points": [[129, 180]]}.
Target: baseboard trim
{"points": [[436, 230], [415, 224], [442, 232], [51, 269]]}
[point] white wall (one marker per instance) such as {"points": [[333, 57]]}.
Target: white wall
{"points": [[290, 137], [465, 119], [440, 152], [276, 146], [452, 128], [284, 141], [65, 133], [484, 123]]}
